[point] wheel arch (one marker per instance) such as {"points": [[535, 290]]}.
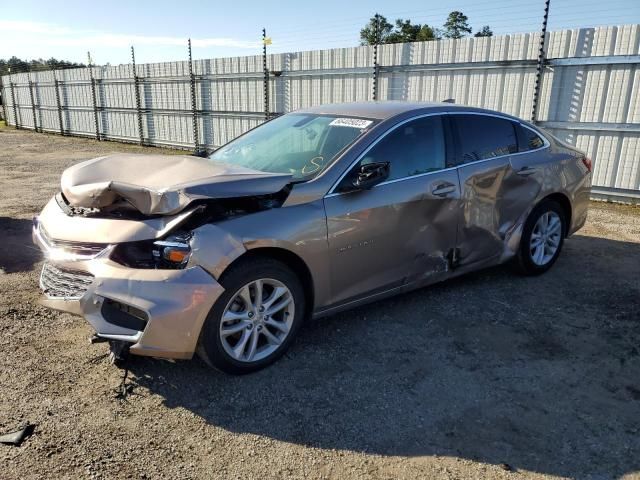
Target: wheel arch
{"points": [[291, 260], [564, 202]]}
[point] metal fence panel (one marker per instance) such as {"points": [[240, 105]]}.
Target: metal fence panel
{"points": [[589, 96]]}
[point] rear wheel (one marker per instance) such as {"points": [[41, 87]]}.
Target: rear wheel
{"points": [[542, 238], [255, 320]]}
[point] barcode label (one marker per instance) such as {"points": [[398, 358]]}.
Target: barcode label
{"points": [[351, 122]]}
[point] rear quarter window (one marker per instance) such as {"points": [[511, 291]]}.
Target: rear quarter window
{"points": [[528, 139]]}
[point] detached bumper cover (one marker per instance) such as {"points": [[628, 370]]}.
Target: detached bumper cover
{"points": [[174, 303]]}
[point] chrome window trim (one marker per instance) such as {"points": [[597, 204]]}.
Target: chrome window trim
{"points": [[333, 193], [513, 120], [395, 180]]}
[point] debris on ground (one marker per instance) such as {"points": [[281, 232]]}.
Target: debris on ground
{"points": [[16, 438], [124, 389]]}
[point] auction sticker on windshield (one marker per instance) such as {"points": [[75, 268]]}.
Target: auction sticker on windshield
{"points": [[351, 122]]}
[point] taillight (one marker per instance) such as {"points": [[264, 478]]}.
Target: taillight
{"points": [[587, 163]]}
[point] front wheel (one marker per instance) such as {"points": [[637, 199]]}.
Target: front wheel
{"points": [[254, 321], [542, 238]]}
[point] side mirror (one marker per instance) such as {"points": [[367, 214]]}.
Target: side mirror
{"points": [[371, 174]]}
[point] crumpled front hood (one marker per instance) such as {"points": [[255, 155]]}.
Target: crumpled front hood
{"points": [[162, 184]]}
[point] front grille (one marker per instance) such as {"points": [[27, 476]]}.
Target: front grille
{"points": [[86, 249], [58, 282]]}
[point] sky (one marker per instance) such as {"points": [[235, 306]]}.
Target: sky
{"points": [[159, 29]]}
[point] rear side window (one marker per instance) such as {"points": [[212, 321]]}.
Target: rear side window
{"points": [[482, 136], [528, 139]]}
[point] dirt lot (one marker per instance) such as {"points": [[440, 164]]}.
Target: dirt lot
{"points": [[488, 376]]}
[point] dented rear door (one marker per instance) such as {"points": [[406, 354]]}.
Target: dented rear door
{"points": [[494, 197], [482, 222]]}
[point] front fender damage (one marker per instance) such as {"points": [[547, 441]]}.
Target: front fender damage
{"points": [[150, 311], [214, 249]]}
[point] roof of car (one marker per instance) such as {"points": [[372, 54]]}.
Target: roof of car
{"points": [[382, 110], [379, 110]]}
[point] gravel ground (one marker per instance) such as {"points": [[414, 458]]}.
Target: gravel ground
{"points": [[487, 376]]}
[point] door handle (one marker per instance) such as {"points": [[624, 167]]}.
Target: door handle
{"points": [[527, 171], [443, 189]]}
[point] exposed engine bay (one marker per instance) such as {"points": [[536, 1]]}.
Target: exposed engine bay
{"points": [[204, 210], [173, 250]]}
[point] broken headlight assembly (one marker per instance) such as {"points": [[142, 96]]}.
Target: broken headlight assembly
{"points": [[172, 253]]}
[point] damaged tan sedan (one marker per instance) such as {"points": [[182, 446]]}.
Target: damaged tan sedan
{"points": [[313, 212]]}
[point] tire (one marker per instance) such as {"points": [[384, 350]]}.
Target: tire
{"points": [[528, 260], [217, 350]]}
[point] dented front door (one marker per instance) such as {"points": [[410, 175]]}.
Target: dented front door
{"points": [[402, 229], [391, 235]]}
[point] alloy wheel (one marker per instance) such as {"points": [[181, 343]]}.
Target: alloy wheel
{"points": [[257, 320], [545, 238]]}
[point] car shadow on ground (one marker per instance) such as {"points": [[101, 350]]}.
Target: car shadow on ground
{"points": [[18, 253], [540, 373]]}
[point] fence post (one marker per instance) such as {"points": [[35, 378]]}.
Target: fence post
{"points": [[265, 71], [540, 66], [56, 84], [93, 97], [375, 56], [33, 105], [15, 107], [4, 102], [136, 83], [194, 113]]}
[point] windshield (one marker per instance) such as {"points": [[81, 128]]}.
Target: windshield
{"points": [[300, 144]]}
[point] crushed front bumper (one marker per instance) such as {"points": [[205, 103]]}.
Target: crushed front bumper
{"points": [[158, 312]]}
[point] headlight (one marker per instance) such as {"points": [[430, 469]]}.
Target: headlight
{"points": [[170, 253]]}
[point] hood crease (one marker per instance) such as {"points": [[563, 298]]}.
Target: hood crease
{"points": [[162, 184]]}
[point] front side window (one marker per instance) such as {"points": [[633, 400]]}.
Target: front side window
{"points": [[413, 148], [300, 144], [481, 137]]}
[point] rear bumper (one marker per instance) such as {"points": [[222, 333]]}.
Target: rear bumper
{"points": [[169, 307]]}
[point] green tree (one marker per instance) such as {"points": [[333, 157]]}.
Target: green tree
{"points": [[18, 65], [484, 32], [457, 25], [376, 31], [405, 31], [428, 33]]}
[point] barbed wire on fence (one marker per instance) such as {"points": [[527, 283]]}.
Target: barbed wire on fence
{"points": [[200, 104]]}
